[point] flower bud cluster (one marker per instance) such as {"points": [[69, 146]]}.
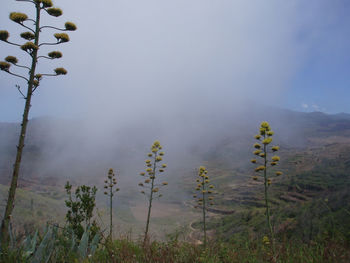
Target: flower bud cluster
{"points": [[204, 188], [110, 183], [32, 37], [264, 139], [153, 169]]}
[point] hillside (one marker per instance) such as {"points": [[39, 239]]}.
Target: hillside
{"points": [[310, 200], [315, 157]]}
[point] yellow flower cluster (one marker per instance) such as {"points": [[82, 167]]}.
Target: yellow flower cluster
{"points": [[60, 71], [110, 183], [11, 59], [257, 146], [18, 17], [152, 169], [275, 158], [27, 35], [265, 137], [4, 35], [260, 168], [61, 37], [203, 186], [4, 66], [70, 26], [55, 54], [275, 148], [267, 140], [54, 11], [29, 46], [46, 3], [266, 240]]}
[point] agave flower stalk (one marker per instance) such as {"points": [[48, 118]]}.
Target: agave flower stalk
{"points": [[263, 149], [204, 198], [110, 190], [150, 187], [32, 80]]}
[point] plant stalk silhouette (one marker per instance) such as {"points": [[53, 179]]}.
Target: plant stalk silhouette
{"points": [[153, 171], [265, 138], [110, 183], [32, 48], [204, 197]]}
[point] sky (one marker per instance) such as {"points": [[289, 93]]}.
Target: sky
{"points": [[129, 60]]}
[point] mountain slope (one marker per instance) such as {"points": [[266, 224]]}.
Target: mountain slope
{"points": [[315, 158]]}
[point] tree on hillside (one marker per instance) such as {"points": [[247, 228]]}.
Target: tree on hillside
{"points": [[263, 150], [32, 78], [153, 170]]}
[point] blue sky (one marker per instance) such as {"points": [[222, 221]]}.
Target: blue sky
{"points": [[129, 58], [322, 82]]}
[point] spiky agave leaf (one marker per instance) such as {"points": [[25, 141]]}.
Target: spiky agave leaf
{"points": [[46, 246], [94, 243], [84, 242]]}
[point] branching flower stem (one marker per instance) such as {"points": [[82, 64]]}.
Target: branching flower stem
{"points": [[52, 27], [49, 44], [11, 43], [16, 75], [150, 198], [266, 195], [12, 191], [21, 66]]}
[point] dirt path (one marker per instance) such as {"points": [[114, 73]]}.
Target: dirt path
{"points": [[195, 234], [191, 237]]}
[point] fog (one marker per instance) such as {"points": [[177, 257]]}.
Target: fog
{"points": [[189, 73]]}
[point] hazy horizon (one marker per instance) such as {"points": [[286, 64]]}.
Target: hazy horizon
{"points": [[184, 72]]}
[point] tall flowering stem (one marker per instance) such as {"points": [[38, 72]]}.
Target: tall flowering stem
{"points": [[32, 79], [110, 190], [263, 149], [204, 197], [150, 188]]}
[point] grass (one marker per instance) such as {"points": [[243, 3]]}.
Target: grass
{"points": [[33, 210], [244, 250]]}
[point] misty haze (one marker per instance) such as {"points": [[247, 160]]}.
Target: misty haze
{"points": [[203, 125]]}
